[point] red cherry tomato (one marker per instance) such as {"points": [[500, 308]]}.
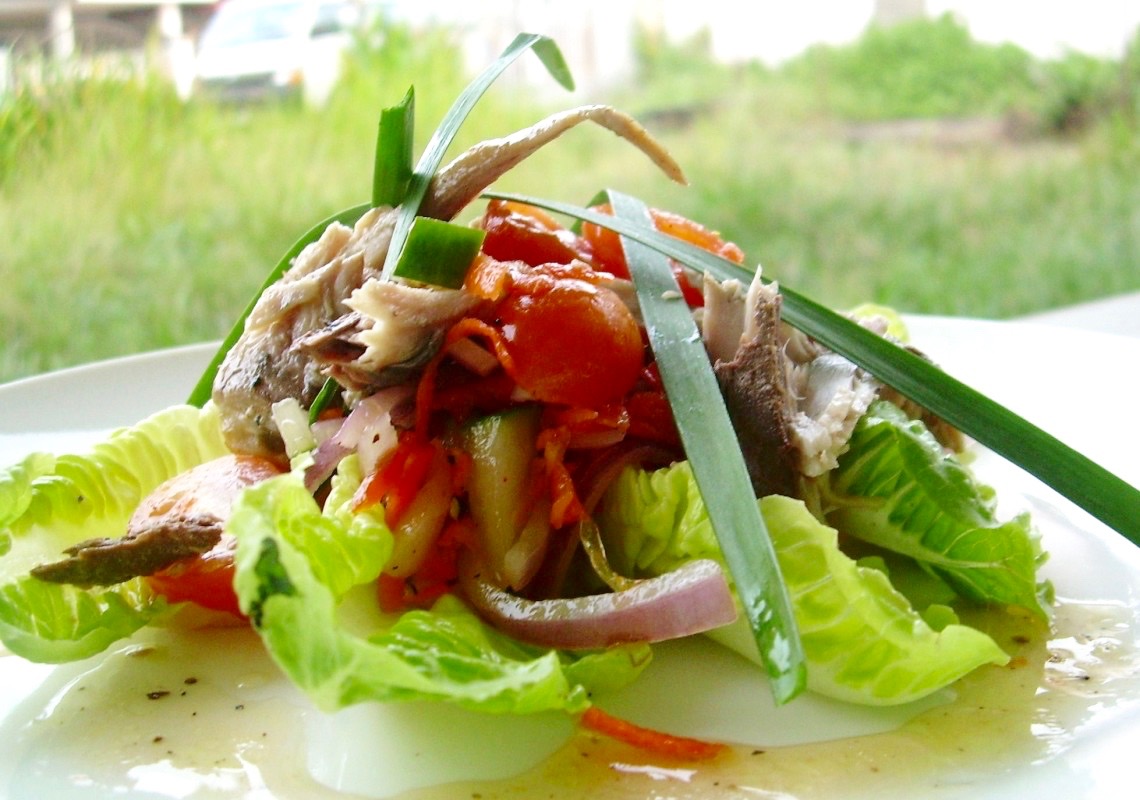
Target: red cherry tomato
{"points": [[524, 233], [208, 490], [608, 253], [572, 343], [397, 479], [207, 580]]}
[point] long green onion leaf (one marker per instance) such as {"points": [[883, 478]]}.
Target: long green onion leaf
{"points": [[720, 472], [204, 388], [392, 168], [1087, 484], [430, 160], [392, 183]]}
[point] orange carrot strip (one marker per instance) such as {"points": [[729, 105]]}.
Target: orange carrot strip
{"points": [[472, 326], [464, 328], [565, 505], [665, 744], [425, 390]]}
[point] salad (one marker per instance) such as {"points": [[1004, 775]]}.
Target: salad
{"points": [[497, 433]]}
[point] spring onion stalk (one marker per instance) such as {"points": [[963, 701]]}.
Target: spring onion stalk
{"points": [[394, 140], [392, 168], [438, 252], [430, 160], [1087, 484], [721, 475]]}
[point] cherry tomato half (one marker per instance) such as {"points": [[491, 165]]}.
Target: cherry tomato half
{"points": [[573, 343], [524, 233], [207, 580], [608, 253]]}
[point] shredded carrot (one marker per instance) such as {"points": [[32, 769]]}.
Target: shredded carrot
{"points": [[426, 388], [565, 505], [665, 744], [472, 326], [435, 577]]}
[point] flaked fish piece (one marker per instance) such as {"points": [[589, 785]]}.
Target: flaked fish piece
{"points": [[273, 359], [265, 365], [832, 395], [793, 417], [756, 394], [183, 517], [801, 348], [793, 402], [393, 330], [721, 319]]}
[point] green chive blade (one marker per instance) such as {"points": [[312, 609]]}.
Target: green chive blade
{"points": [[1106, 496], [720, 472], [444, 135], [551, 57], [392, 170], [324, 397], [205, 385]]}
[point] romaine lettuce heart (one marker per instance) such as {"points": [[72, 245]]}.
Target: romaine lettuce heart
{"points": [[897, 489], [297, 568], [864, 642], [48, 503]]}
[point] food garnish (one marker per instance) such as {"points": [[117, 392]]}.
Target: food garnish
{"points": [[540, 450]]}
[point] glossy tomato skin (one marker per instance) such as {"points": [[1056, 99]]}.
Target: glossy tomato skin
{"points": [[572, 343], [608, 253], [207, 580], [524, 233], [205, 492]]}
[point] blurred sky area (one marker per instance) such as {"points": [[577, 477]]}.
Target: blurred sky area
{"points": [[775, 30], [1046, 28]]}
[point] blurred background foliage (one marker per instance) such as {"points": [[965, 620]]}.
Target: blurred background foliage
{"points": [[914, 167]]}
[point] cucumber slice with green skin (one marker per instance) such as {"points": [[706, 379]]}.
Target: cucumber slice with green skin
{"points": [[501, 494]]}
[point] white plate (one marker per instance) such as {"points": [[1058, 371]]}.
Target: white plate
{"points": [[204, 713]]}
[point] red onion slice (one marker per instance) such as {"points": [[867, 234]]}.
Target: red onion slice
{"points": [[691, 599], [367, 429], [603, 472], [326, 458]]}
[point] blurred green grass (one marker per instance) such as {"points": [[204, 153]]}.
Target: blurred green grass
{"points": [[131, 221]]}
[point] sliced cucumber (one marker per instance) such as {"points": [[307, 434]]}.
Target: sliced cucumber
{"points": [[501, 493]]}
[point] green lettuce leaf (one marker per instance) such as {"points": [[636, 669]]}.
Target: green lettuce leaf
{"points": [[300, 576], [897, 489], [864, 642], [49, 503]]}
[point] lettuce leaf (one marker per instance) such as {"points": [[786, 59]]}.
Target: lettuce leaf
{"points": [[864, 642], [896, 488], [49, 503], [299, 574]]}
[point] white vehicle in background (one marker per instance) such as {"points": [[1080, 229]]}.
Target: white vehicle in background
{"points": [[262, 49]]}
